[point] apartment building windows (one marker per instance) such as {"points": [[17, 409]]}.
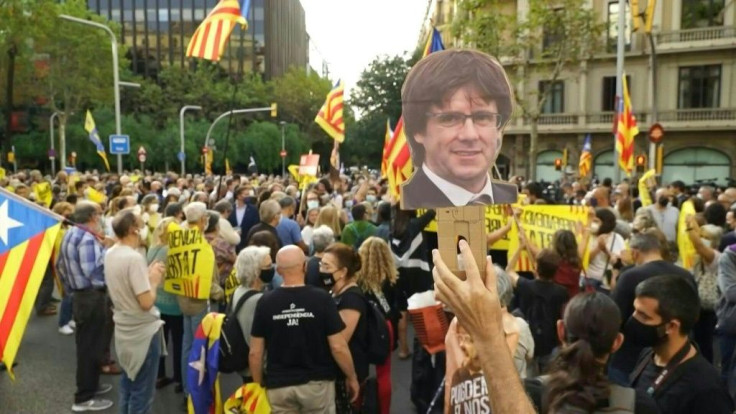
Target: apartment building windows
{"points": [[609, 93], [702, 13], [554, 102], [553, 31], [699, 87]]}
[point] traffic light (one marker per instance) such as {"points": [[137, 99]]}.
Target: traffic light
{"points": [[274, 110], [641, 162], [564, 157], [558, 164]]}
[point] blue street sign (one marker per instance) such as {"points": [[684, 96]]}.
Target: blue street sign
{"points": [[119, 144], [181, 156]]}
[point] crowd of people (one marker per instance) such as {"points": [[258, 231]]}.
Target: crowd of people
{"points": [[632, 330]]}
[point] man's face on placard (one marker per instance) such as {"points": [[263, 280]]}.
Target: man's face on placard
{"points": [[458, 147]]}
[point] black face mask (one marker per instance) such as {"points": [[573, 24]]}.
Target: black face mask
{"points": [[266, 275], [663, 201], [644, 335], [327, 279]]}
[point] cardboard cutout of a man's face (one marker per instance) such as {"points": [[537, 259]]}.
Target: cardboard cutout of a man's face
{"points": [[456, 103]]}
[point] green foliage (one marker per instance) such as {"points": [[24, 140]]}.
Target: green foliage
{"points": [[377, 98]]}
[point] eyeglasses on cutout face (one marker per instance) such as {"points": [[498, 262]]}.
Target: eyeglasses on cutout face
{"points": [[482, 119]]}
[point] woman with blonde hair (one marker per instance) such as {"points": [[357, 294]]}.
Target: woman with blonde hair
{"points": [[329, 215], [167, 304], [377, 279]]}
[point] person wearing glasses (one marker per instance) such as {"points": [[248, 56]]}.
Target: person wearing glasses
{"points": [[456, 104]]}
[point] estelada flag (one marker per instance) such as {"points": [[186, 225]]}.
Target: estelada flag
{"points": [[203, 380], [27, 236]]}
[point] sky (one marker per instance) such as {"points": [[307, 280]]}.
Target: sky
{"points": [[349, 34]]}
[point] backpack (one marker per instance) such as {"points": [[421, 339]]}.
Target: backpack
{"points": [[378, 345], [621, 400], [234, 349], [543, 325]]}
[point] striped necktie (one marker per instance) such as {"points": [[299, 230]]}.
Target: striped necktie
{"points": [[481, 200]]}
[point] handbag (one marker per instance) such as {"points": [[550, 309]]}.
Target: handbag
{"points": [[708, 291]]}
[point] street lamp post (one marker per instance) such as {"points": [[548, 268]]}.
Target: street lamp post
{"points": [[283, 150], [233, 112], [51, 129], [116, 77], [182, 154]]}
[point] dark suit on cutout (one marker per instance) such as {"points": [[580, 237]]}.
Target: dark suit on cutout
{"points": [[421, 192], [250, 219]]}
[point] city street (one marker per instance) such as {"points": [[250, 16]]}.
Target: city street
{"points": [[45, 381]]}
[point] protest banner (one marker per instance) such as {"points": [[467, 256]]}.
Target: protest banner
{"points": [[191, 264], [684, 245], [540, 222], [231, 283], [43, 193]]}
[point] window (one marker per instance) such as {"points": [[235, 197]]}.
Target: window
{"points": [[612, 34], [699, 87], [609, 93], [696, 163], [553, 31], [603, 165], [555, 96], [701, 13]]}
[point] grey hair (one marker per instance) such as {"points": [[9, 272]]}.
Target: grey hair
{"points": [[223, 206], [248, 264], [84, 211], [714, 234], [195, 211], [645, 242], [268, 210], [504, 287], [322, 237]]}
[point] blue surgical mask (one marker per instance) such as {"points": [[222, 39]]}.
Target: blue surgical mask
{"points": [[312, 204], [370, 198], [348, 203]]}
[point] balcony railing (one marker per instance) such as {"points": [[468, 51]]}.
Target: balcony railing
{"points": [[693, 115], [698, 115], [699, 34]]}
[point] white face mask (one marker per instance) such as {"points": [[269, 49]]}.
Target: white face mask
{"points": [[137, 210], [153, 208], [312, 204], [594, 227], [706, 242]]}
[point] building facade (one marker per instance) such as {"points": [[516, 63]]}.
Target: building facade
{"points": [[695, 43], [157, 33]]}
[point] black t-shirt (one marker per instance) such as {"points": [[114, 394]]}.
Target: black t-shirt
{"points": [[694, 387], [295, 323], [263, 227], [354, 299], [553, 298], [624, 294]]}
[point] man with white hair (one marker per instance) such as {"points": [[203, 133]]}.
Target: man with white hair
{"points": [[193, 310], [270, 213], [322, 237]]}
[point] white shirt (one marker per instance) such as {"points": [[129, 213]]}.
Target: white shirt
{"points": [[457, 195], [240, 213]]}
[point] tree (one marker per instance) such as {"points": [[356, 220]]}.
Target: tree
{"points": [[376, 98], [545, 42]]}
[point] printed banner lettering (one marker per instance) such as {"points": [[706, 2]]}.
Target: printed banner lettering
{"points": [[191, 264], [684, 245]]}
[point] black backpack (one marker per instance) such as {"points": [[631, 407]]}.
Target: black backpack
{"points": [[378, 346], [234, 349]]}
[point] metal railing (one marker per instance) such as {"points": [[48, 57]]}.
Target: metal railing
{"points": [[698, 115], [555, 119], [607, 117], [694, 35]]}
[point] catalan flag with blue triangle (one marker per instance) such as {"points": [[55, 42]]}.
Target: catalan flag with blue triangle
{"points": [[586, 158], [27, 236], [203, 380], [94, 136]]}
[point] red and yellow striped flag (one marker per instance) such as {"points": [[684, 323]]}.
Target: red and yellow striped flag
{"points": [[208, 41], [27, 237], [586, 158], [626, 131], [399, 159], [386, 149], [330, 115]]}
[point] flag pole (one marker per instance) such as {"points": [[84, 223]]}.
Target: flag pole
{"points": [[227, 141], [619, 80]]}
